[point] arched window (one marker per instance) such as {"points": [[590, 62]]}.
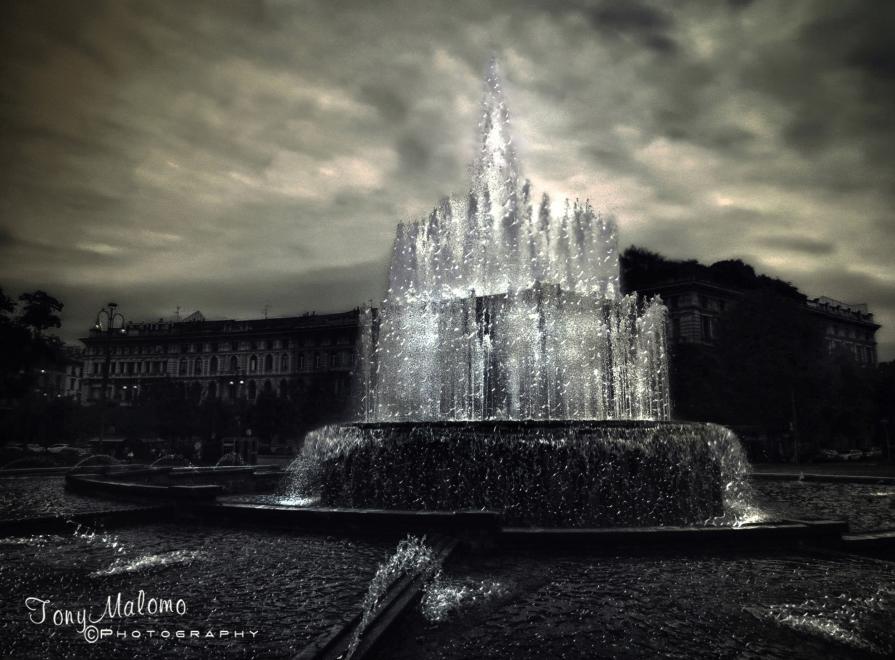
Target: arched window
{"points": [[301, 361], [268, 363], [268, 387], [234, 364], [253, 390], [182, 370], [197, 367], [253, 364], [213, 365], [284, 362]]}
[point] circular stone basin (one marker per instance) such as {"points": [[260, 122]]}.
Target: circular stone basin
{"points": [[547, 473]]}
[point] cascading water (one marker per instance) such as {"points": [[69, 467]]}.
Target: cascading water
{"points": [[505, 370], [497, 311]]}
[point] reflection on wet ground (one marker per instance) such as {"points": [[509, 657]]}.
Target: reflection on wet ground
{"points": [[288, 588], [535, 607]]}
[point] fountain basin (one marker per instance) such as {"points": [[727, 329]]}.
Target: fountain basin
{"points": [[544, 473]]}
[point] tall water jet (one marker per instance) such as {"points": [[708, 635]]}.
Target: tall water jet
{"points": [[495, 311]]}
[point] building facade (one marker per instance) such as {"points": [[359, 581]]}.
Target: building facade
{"points": [[226, 360], [694, 308], [696, 304], [60, 377], [848, 328]]}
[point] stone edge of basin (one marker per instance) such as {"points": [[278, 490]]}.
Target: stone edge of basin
{"points": [[484, 529], [59, 524], [90, 485], [829, 478], [403, 593]]}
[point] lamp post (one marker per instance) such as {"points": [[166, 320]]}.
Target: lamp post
{"points": [[109, 322]]}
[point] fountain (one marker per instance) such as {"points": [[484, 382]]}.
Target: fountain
{"points": [[506, 370], [497, 311]]}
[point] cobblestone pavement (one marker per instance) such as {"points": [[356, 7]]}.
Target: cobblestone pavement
{"points": [[771, 607], [288, 588]]}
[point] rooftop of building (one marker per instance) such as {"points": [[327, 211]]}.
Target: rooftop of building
{"points": [[196, 325], [845, 311]]}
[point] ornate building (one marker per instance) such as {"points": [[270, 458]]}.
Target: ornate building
{"points": [[847, 327], [224, 359], [697, 296], [60, 377]]}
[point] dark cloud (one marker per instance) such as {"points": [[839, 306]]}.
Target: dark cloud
{"points": [[804, 245], [229, 155], [629, 18]]}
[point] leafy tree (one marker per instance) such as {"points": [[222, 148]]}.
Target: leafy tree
{"points": [[40, 311], [24, 346]]}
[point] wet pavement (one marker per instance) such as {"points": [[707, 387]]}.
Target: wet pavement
{"points": [[792, 606], [865, 506], [288, 588]]}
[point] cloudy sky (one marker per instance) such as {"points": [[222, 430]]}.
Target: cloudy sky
{"points": [[230, 155]]}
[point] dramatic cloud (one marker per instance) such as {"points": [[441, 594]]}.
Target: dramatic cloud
{"points": [[228, 155]]}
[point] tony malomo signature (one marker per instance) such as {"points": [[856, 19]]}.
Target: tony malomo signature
{"points": [[119, 608]]}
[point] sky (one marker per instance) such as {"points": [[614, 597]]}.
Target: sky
{"points": [[228, 156]]}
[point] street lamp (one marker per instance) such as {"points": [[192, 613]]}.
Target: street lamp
{"points": [[109, 322]]}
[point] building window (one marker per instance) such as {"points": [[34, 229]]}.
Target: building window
{"points": [[333, 359], [197, 367], [213, 365], [253, 390], [316, 360], [284, 362], [234, 364], [182, 370], [268, 363], [707, 329], [253, 364], [301, 361]]}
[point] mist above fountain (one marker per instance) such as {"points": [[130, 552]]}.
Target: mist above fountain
{"points": [[506, 370]]}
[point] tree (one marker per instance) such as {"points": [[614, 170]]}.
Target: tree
{"points": [[7, 306], [773, 363], [24, 346], [39, 311]]}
